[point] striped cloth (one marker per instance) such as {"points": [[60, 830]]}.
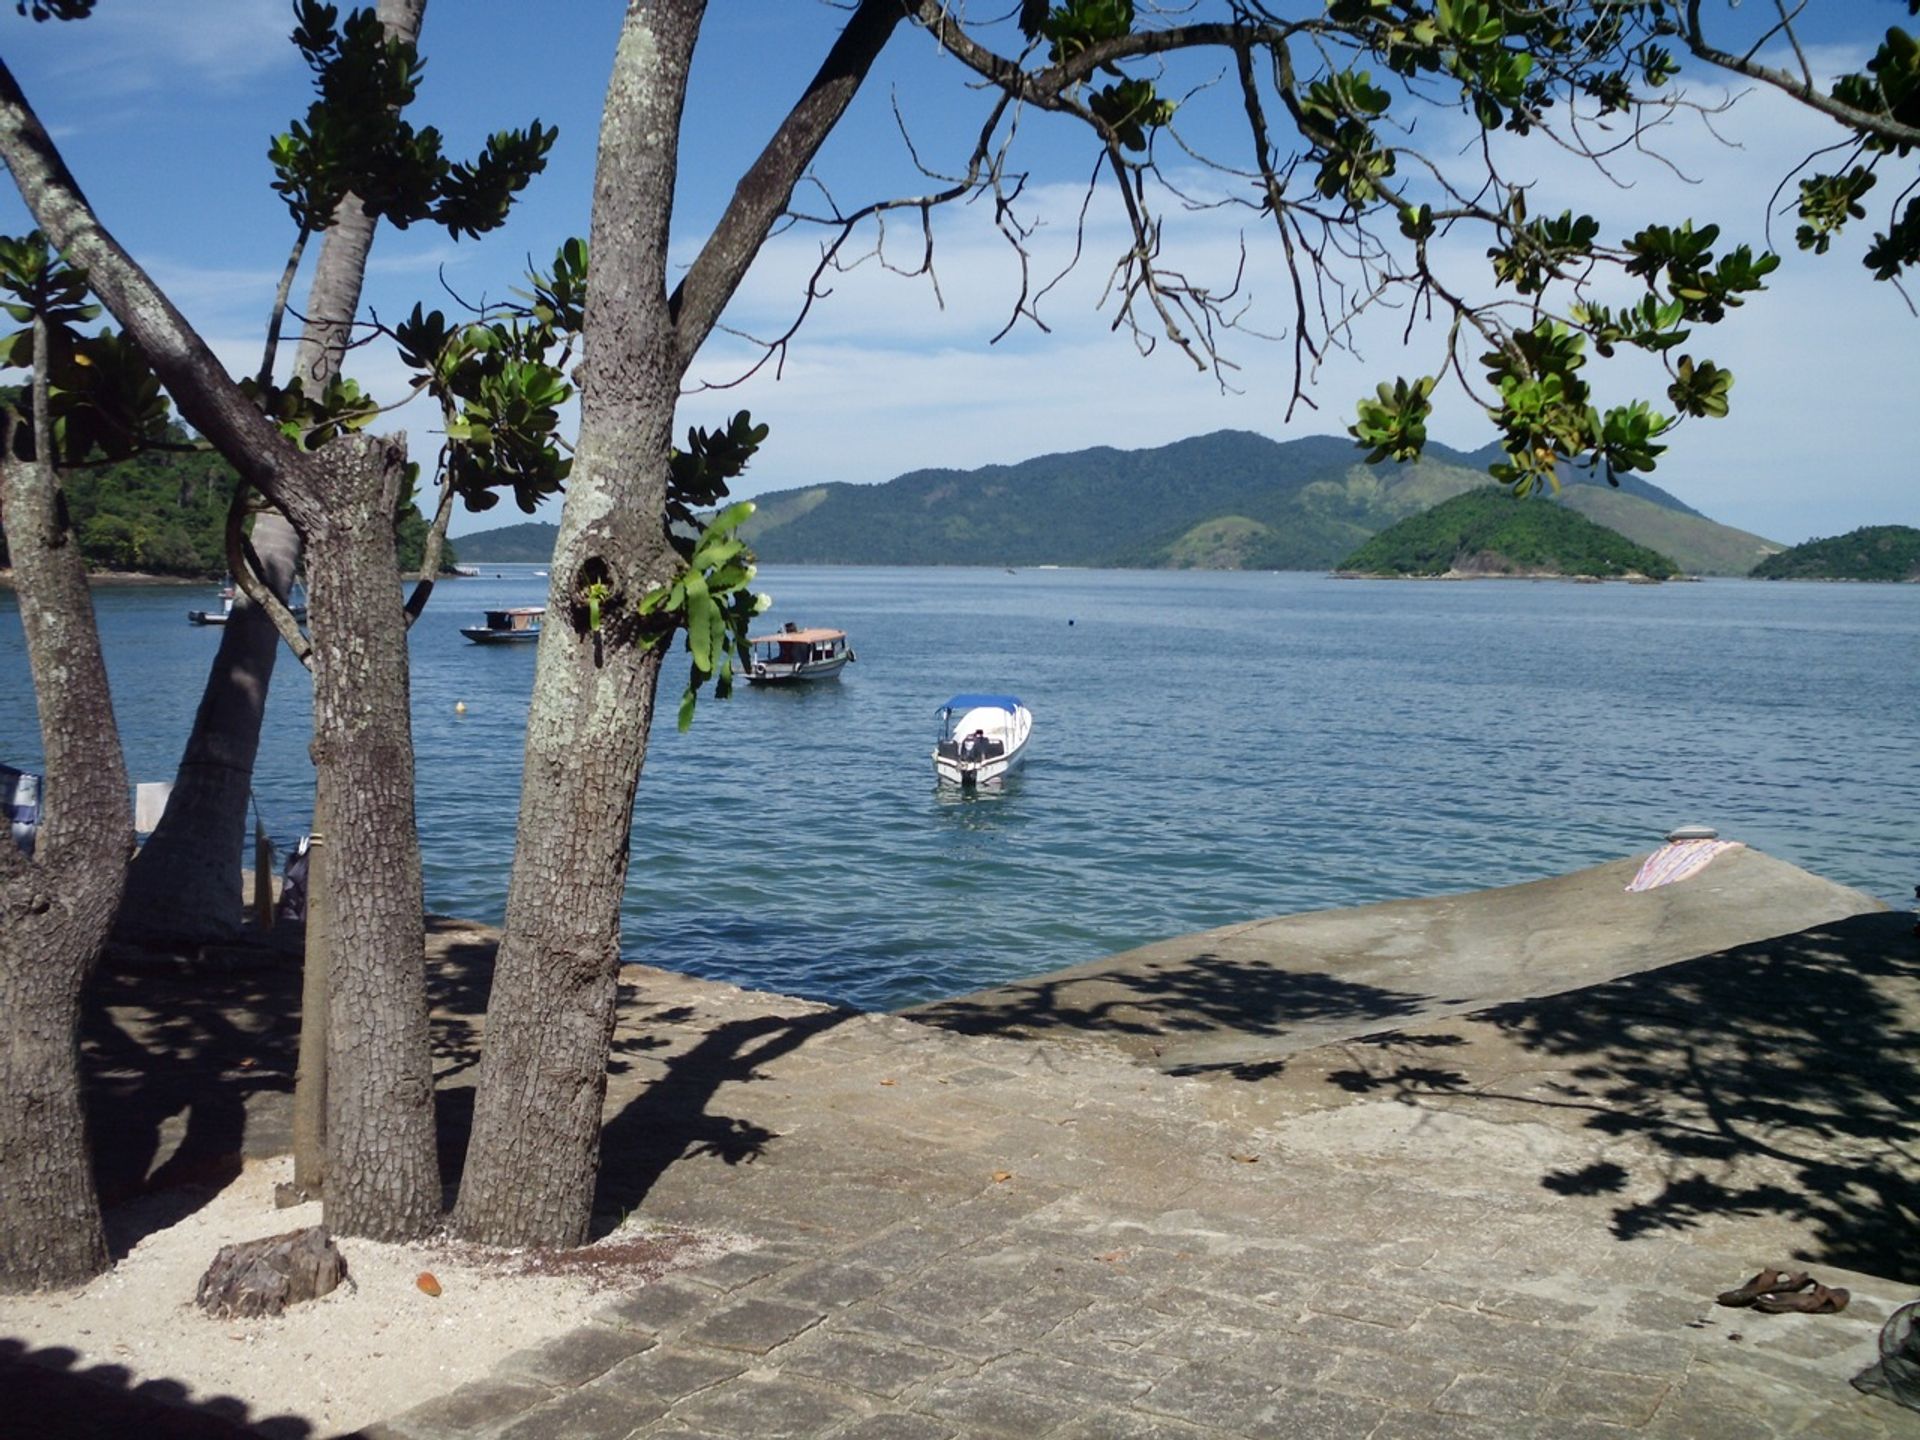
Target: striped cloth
{"points": [[1678, 860]]}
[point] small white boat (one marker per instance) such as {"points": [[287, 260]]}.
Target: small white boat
{"points": [[506, 627], [298, 606], [981, 738], [792, 655]]}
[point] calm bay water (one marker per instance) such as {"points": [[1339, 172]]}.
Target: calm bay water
{"points": [[1208, 748]]}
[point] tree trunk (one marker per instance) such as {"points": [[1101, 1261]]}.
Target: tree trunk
{"points": [[534, 1154], [310, 1073], [55, 907], [382, 1177], [185, 882], [184, 885]]}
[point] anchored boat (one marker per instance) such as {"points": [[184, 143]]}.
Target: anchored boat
{"points": [[506, 627], [981, 738], [792, 655]]}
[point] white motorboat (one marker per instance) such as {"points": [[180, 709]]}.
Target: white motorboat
{"points": [[792, 655], [981, 738], [296, 602], [506, 627]]}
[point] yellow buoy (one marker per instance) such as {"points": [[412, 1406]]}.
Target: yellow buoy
{"points": [[459, 707]]}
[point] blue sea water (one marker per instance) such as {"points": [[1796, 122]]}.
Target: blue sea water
{"points": [[1208, 748]]}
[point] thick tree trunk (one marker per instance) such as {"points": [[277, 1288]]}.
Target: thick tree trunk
{"points": [[534, 1153], [55, 907], [382, 1176], [185, 882]]}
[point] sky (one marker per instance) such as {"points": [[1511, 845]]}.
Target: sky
{"points": [[163, 110]]}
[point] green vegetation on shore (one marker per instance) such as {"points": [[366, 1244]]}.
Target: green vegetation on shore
{"points": [[164, 512], [1490, 532], [1873, 552]]}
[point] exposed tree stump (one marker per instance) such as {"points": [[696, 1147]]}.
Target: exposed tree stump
{"points": [[263, 1277]]}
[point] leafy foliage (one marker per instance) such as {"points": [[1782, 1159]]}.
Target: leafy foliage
{"points": [[1491, 531], [355, 141], [1874, 552]]}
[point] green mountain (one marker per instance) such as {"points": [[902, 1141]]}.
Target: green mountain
{"points": [[1230, 500], [1226, 501], [1487, 531], [529, 542], [1875, 552]]}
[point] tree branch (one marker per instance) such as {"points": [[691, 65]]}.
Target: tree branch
{"points": [[763, 192], [199, 384]]}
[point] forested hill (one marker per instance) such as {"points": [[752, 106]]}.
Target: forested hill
{"points": [[165, 513], [1229, 500], [1488, 531], [529, 541], [1876, 552]]}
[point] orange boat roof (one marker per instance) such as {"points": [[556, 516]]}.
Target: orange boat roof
{"points": [[802, 637]]}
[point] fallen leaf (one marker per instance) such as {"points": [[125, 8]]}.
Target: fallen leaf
{"points": [[1000, 1177], [1112, 1257], [1245, 1159], [427, 1283], [246, 1062], [889, 1082]]}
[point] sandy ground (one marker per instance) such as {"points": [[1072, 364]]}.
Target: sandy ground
{"points": [[377, 1345]]}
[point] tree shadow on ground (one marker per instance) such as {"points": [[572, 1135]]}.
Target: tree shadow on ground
{"points": [[188, 1062], [52, 1397], [1778, 1079], [670, 1116], [1172, 999]]}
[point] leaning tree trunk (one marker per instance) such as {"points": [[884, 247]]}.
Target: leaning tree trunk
{"points": [[56, 906], [184, 885], [185, 882], [534, 1153], [382, 1176]]}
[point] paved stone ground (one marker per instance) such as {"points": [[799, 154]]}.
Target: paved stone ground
{"points": [[972, 1236], [1508, 1223]]}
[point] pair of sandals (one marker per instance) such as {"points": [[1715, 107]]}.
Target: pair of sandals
{"points": [[1782, 1292]]}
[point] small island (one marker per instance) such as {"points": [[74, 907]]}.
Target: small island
{"points": [[1488, 532], [1884, 553]]}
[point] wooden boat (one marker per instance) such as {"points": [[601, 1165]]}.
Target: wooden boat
{"points": [[794, 656], [506, 627], [981, 738]]}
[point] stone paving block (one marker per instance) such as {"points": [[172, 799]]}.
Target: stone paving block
{"points": [[1108, 1322], [1519, 1305], [877, 1365], [1315, 1415], [1209, 1393], [473, 1408], [1604, 1395], [1045, 1375], [1401, 1383], [595, 1413], [1397, 1311], [1665, 1356], [1030, 1317], [970, 1343], [755, 1326], [906, 1248], [659, 1308], [975, 1404], [831, 1284], [1130, 1425], [742, 1267], [1424, 1425], [574, 1358], [897, 1425], [1486, 1342], [962, 1293], [670, 1373], [766, 1406], [1492, 1395]]}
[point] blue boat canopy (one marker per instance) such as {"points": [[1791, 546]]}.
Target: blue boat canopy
{"points": [[1008, 703]]}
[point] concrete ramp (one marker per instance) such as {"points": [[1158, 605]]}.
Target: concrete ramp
{"points": [[1270, 988]]}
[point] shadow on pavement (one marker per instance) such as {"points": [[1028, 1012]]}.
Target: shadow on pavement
{"points": [[1778, 1079], [1195, 995]]}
